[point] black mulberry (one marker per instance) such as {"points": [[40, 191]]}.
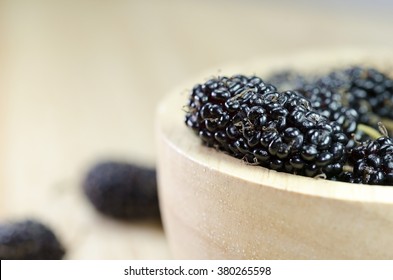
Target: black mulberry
{"points": [[122, 190], [372, 163], [278, 130], [370, 90], [29, 240]]}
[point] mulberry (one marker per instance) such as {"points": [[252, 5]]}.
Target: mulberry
{"points": [[278, 130], [122, 190], [372, 163], [29, 240]]}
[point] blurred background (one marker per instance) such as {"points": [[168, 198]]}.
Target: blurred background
{"points": [[80, 81]]}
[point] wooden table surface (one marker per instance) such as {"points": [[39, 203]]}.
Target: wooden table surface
{"points": [[80, 82]]}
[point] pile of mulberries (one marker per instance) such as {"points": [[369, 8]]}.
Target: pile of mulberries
{"points": [[364, 94], [324, 126]]}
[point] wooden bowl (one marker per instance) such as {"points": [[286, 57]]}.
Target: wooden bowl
{"points": [[215, 206]]}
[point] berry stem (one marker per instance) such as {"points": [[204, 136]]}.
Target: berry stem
{"points": [[347, 168], [373, 133], [320, 176], [388, 123]]}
